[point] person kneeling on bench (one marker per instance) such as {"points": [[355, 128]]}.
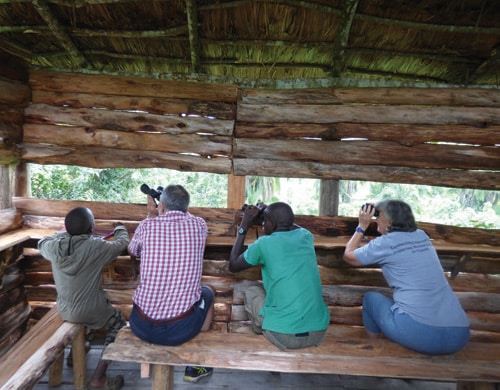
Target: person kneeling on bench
{"points": [[289, 309], [170, 305]]}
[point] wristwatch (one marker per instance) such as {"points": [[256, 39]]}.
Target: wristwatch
{"points": [[360, 230], [242, 231]]}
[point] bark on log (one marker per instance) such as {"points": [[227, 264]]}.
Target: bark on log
{"points": [[14, 93], [10, 219], [395, 96], [360, 153], [457, 178], [349, 296], [11, 125], [130, 86], [219, 110], [94, 157], [404, 134], [342, 227], [14, 310], [125, 121], [315, 113], [208, 146]]}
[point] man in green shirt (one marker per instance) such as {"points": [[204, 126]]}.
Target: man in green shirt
{"points": [[289, 309]]}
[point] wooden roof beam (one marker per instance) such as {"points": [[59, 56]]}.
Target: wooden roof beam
{"points": [[16, 50], [342, 39], [194, 41], [493, 60], [58, 30]]}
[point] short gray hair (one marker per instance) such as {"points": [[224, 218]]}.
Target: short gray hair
{"points": [[400, 214], [175, 197]]}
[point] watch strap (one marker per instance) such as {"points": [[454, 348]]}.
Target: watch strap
{"points": [[241, 230], [360, 230]]}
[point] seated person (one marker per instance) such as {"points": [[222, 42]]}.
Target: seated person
{"points": [[289, 309], [170, 304], [77, 260], [423, 314]]}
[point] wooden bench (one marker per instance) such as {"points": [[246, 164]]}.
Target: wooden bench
{"points": [[42, 348], [470, 258], [19, 236], [345, 350]]}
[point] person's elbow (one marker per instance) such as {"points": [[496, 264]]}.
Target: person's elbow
{"points": [[350, 258], [132, 250], [237, 264], [232, 267]]}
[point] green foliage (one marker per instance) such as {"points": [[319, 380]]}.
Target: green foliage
{"points": [[450, 206], [121, 185], [431, 204], [262, 189]]}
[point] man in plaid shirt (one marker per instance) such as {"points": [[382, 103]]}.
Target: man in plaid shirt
{"points": [[170, 304]]}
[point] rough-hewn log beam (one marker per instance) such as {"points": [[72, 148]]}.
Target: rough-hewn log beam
{"points": [[58, 30], [494, 60], [194, 42], [342, 38]]}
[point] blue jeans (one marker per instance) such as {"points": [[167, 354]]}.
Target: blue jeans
{"points": [[174, 333], [402, 329]]}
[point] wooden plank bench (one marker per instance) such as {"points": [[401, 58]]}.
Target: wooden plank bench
{"points": [[19, 236], [42, 348], [346, 350]]}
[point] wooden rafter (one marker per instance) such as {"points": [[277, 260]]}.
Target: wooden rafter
{"points": [[194, 41], [493, 60], [342, 38], [59, 32]]}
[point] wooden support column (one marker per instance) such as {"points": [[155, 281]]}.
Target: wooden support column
{"points": [[56, 371], [329, 197], [22, 182], [79, 360], [235, 191], [163, 377], [6, 187]]}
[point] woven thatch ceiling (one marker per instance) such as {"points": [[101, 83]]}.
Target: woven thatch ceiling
{"points": [[269, 43]]}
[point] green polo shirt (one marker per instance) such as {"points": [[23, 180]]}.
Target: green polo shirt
{"points": [[294, 301]]}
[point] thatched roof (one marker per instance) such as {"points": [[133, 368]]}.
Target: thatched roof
{"points": [[285, 43]]}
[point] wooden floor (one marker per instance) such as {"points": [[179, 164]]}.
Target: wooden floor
{"points": [[254, 380]]}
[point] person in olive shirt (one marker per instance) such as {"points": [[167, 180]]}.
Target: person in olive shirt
{"points": [[77, 259], [289, 309]]}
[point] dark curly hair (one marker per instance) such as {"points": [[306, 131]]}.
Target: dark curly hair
{"points": [[78, 221]]}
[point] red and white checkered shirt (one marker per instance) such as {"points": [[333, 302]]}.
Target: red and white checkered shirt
{"points": [[171, 248]]}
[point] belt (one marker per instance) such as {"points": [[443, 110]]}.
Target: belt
{"points": [[163, 322]]}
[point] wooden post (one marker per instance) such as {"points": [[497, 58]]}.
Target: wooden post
{"points": [[22, 182], [79, 360], [329, 197], [56, 371], [235, 191], [5, 188], [163, 377], [145, 370]]}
